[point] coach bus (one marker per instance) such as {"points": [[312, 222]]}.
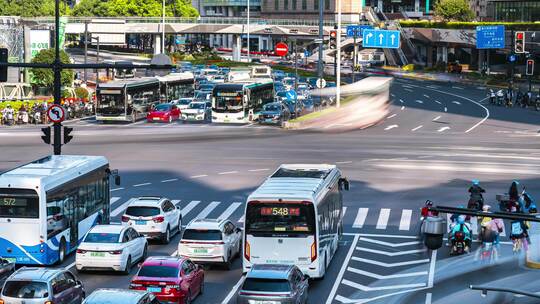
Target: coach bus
{"points": [[176, 85], [47, 206], [126, 100], [295, 217], [242, 101]]}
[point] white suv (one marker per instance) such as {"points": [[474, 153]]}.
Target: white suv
{"points": [[211, 241], [153, 217]]}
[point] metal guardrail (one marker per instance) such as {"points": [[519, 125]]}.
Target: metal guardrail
{"points": [[485, 289], [189, 20]]}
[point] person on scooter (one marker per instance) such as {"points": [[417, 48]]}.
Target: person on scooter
{"points": [[491, 227], [520, 231], [492, 96], [476, 200], [513, 194], [461, 226]]}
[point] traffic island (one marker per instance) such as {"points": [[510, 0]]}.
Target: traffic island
{"points": [[364, 104]]}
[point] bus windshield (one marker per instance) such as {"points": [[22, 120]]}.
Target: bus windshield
{"points": [[280, 218], [111, 104], [19, 203], [229, 103]]}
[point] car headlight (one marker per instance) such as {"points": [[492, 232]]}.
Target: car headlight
{"points": [[200, 111]]}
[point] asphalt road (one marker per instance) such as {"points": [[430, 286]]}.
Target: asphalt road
{"points": [[436, 138]]}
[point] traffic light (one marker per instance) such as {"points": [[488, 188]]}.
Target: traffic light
{"points": [[4, 69], [46, 137], [67, 137], [530, 67], [333, 40], [519, 42]]}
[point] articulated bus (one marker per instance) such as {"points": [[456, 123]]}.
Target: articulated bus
{"points": [[176, 85], [295, 217], [126, 100], [242, 101], [47, 206]]}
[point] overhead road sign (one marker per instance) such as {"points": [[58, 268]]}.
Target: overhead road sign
{"points": [[490, 37], [381, 39], [356, 30]]}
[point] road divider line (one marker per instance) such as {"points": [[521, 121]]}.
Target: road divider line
{"points": [[241, 219], [431, 275], [206, 211], [68, 267], [114, 199], [189, 207], [417, 128], [229, 211], [169, 180], [390, 127], [199, 176], [402, 108], [389, 287], [344, 210], [257, 170], [426, 96], [392, 116], [438, 102], [116, 189], [428, 298], [339, 277], [233, 291], [443, 129], [121, 208], [390, 265], [227, 172], [419, 101], [405, 222], [382, 222], [141, 185], [360, 218], [382, 235], [436, 118], [366, 239], [390, 254], [401, 101], [343, 162]]}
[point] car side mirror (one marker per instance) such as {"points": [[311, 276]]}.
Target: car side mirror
{"points": [[117, 180], [46, 295], [238, 229]]}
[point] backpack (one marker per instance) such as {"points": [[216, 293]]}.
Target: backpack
{"points": [[516, 228]]}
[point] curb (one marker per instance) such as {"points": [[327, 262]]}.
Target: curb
{"points": [[530, 263]]}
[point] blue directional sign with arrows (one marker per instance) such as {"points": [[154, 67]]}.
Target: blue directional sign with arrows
{"points": [[357, 30], [381, 39]]}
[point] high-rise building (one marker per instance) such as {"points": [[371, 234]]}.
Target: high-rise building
{"points": [[479, 7], [513, 10], [309, 9]]}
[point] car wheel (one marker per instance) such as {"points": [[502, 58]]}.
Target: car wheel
{"points": [[145, 254], [128, 266], [62, 251], [201, 288], [166, 237], [228, 263]]}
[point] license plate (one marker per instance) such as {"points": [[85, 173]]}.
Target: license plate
{"points": [[140, 222], [268, 120], [200, 250], [97, 254], [226, 120], [153, 289], [156, 118]]}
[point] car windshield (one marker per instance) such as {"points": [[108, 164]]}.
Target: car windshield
{"points": [[158, 271], [271, 285], [197, 105], [206, 87], [272, 107], [202, 234], [25, 289], [142, 211], [103, 237], [184, 101], [162, 107]]}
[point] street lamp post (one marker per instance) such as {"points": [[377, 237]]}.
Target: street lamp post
{"points": [[163, 30], [248, 15], [338, 59]]}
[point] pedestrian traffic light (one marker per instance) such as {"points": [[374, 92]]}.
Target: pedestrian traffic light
{"points": [[46, 137], [4, 69], [333, 40], [67, 137], [530, 67], [519, 42]]}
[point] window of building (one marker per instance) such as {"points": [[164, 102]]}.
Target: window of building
{"points": [[285, 4], [326, 4], [304, 5], [293, 5], [316, 5], [276, 5]]}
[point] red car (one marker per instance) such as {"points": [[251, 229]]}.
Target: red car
{"points": [[164, 112], [170, 279]]}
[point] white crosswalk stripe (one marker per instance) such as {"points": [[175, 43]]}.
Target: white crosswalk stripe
{"points": [[206, 211], [241, 219], [121, 208], [384, 215], [175, 202], [344, 210], [405, 222], [360, 218], [189, 207], [114, 199], [229, 211]]}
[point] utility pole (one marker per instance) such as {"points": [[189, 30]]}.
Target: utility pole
{"points": [[248, 29], [338, 76], [295, 77], [57, 126], [163, 30], [320, 67], [85, 50]]}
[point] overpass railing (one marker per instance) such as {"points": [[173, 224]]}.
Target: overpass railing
{"points": [[192, 20]]}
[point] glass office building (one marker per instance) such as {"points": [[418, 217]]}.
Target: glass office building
{"points": [[508, 10]]}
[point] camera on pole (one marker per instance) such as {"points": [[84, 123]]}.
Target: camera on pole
{"points": [[4, 69], [519, 45], [333, 40]]}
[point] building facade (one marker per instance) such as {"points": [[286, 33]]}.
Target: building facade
{"points": [[514, 10], [309, 9], [479, 7]]}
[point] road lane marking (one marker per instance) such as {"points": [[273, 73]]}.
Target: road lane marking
{"points": [[233, 291], [443, 129], [116, 189], [419, 101], [189, 207], [169, 180], [257, 170], [367, 288], [428, 298], [402, 108], [114, 199], [391, 94], [437, 101], [344, 210], [199, 176], [390, 254], [206, 211], [343, 162], [431, 275], [456, 102], [143, 184], [401, 101], [227, 172], [408, 90], [392, 116], [426, 96], [339, 277], [68, 267], [175, 202], [390, 127], [360, 218], [436, 118], [229, 211], [459, 88], [464, 168], [366, 239], [121, 208], [390, 265], [417, 128], [241, 219], [382, 222], [445, 109], [386, 277], [405, 222]]}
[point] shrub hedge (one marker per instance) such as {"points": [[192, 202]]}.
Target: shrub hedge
{"points": [[468, 25]]}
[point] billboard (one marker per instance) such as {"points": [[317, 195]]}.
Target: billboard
{"points": [[39, 40]]}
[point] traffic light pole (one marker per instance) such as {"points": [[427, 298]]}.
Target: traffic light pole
{"points": [[513, 62], [57, 142], [320, 67]]}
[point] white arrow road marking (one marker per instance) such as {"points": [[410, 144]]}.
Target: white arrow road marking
{"points": [[390, 265], [366, 288], [390, 254], [386, 277], [417, 128], [436, 118], [456, 102], [419, 101], [390, 127], [443, 129], [369, 240], [437, 101], [392, 116]]}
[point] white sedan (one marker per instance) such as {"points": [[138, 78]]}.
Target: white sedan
{"points": [[111, 247]]}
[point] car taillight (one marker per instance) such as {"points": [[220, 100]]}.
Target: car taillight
{"points": [[46, 302], [116, 252], [459, 236], [1, 301], [81, 251], [247, 250], [314, 251], [125, 219], [159, 219], [424, 211]]}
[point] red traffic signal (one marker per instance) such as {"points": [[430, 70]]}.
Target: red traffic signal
{"points": [[519, 35], [332, 44], [333, 34], [519, 42], [530, 67]]}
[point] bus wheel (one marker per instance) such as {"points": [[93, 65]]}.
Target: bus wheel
{"points": [[62, 251]]}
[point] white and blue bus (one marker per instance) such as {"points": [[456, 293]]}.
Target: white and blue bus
{"points": [[47, 206]]}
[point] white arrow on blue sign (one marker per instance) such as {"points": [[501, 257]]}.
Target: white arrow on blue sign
{"points": [[357, 30], [291, 95], [381, 39]]}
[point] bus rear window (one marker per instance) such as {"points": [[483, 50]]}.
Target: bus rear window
{"points": [[280, 218], [19, 203]]}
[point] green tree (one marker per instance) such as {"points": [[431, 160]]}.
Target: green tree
{"points": [[45, 77], [458, 10], [30, 8], [142, 8]]}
